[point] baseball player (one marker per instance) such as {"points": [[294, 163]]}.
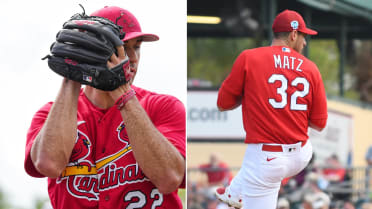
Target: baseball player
{"points": [[282, 94], [123, 148]]}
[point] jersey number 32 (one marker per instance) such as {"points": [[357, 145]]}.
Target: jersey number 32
{"points": [[282, 91]]}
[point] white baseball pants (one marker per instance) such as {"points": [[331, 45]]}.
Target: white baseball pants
{"points": [[258, 180]]}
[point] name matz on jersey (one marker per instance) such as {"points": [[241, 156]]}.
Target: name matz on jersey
{"points": [[287, 62]]}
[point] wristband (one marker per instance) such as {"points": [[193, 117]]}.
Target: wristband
{"points": [[124, 99]]}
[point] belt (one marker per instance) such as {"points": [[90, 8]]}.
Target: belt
{"points": [[277, 148]]}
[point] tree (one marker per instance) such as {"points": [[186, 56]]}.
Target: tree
{"points": [[363, 69], [211, 58]]}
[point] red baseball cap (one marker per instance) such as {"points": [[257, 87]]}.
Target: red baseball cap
{"points": [[127, 20], [288, 21]]}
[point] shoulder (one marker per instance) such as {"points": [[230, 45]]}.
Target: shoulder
{"points": [[143, 94], [153, 99], [42, 113], [223, 165], [45, 109], [246, 56], [204, 166], [370, 149], [38, 120], [308, 66], [310, 63]]}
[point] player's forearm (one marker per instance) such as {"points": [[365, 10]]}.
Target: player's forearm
{"points": [[158, 158], [52, 147]]}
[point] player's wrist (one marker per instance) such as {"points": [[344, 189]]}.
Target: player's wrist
{"points": [[70, 84], [124, 99], [117, 93]]}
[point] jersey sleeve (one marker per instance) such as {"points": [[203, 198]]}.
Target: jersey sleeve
{"points": [[232, 87], [318, 112], [169, 118], [36, 125]]}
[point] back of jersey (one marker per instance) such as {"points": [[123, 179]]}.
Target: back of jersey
{"points": [[281, 92]]}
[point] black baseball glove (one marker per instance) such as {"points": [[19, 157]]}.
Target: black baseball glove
{"points": [[82, 49]]}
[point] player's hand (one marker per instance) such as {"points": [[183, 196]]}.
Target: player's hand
{"points": [[115, 60], [82, 49]]}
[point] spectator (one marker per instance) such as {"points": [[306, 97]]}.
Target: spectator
{"points": [[334, 172], [338, 178], [218, 172], [348, 205], [369, 168], [294, 187], [195, 196], [367, 205], [300, 177], [319, 200], [283, 203], [195, 203], [369, 156], [310, 186]]}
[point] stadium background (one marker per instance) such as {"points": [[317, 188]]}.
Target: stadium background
{"points": [[26, 83], [342, 51]]}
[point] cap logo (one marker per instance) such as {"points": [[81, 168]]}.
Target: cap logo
{"points": [[128, 20], [294, 24]]}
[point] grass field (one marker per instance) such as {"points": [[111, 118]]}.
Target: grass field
{"points": [[182, 195]]}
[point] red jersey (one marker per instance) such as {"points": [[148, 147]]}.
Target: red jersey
{"points": [[281, 90], [219, 174], [338, 172], [102, 172]]}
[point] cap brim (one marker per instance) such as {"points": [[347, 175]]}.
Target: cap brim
{"points": [[145, 36], [309, 31]]}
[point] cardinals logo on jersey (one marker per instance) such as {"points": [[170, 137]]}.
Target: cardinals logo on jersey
{"points": [[81, 150], [122, 133], [80, 169], [85, 179]]}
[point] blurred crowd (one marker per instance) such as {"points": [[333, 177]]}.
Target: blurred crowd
{"points": [[331, 186]]}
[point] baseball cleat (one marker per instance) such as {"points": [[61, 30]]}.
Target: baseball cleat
{"points": [[225, 197]]}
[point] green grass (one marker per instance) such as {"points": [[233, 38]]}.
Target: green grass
{"points": [[182, 195]]}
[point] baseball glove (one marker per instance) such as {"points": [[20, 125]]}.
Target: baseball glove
{"points": [[82, 49]]}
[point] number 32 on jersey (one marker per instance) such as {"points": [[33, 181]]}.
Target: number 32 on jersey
{"points": [[282, 91], [140, 199]]}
